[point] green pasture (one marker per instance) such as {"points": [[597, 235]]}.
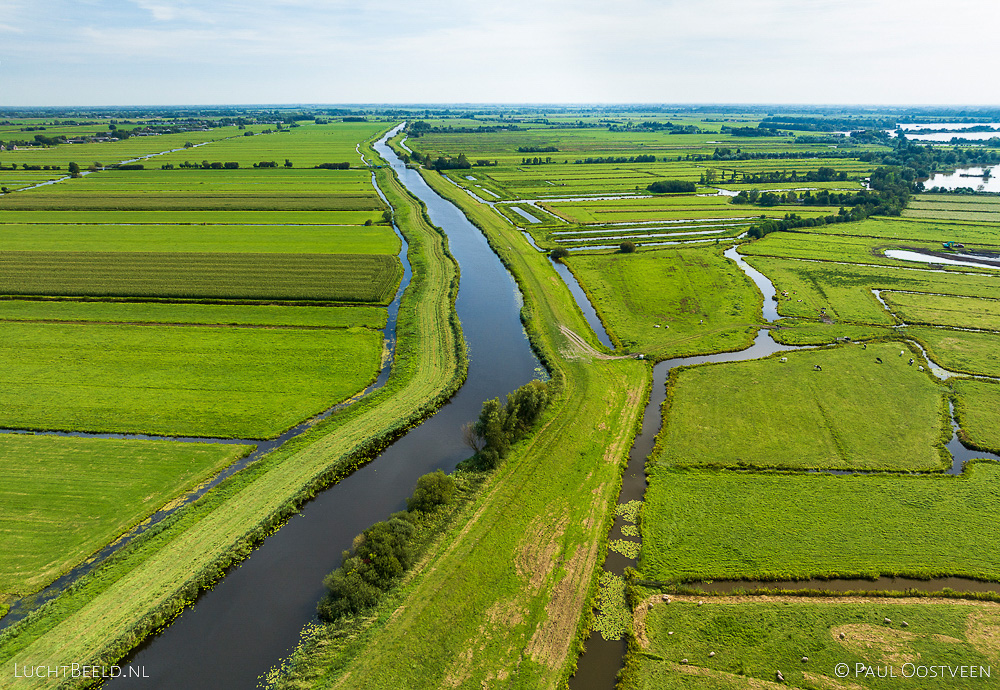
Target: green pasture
{"points": [[207, 218], [854, 413], [671, 207], [751, 639], [722, 525], [323, 277], [178, 380], [190, 313], [65, 498], [976, 405], [945, 310], [907, 228], [226, 239], [671, 302], [961, 351], [822, 247], [811, 332], [844, 290]]}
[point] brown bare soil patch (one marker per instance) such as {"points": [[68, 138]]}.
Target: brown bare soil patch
{"points": [[984, 634], [877, 644]]}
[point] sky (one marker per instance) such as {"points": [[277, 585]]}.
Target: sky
{"points": [[203, 52]]}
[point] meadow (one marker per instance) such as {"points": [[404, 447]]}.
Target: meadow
{"points": [[845, 290], [699, 524], [193, 313], [976, 405], [945, 310], [754, 638], [369, 278], [62, 500], [670, 302], [178, 380], [961, 351], [854, 414]]}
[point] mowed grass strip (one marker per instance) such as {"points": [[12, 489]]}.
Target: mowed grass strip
{"points": [[945, 310], [180, 381], [700, 524], [753, 637], [65, 498], [853, 414], [251, 200], [670, 302], [190, 313], [326, 277], [229, 239]]}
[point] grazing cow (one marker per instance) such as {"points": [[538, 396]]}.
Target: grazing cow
{"points": [[911, 361], [817, 368], [878, 359]]}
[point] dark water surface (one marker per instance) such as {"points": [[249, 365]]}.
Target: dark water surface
{"points": [[251, 619]]}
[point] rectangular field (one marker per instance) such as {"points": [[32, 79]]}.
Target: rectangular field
{"points": [[722, 525], [319, 277], [667, 302], [854, 413], [750, 638], [178, 380], [966, 352], [65, 498], [945, 310]]}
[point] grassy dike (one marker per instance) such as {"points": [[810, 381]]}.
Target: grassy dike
{"points": [[100, 618], [503, 597]]}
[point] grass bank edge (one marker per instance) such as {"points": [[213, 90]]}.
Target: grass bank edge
{"points": [[406, 373]]}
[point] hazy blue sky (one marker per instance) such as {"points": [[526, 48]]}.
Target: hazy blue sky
{"points": [[102, 52]]}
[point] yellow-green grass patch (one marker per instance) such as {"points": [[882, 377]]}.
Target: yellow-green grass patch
{"points": [[854, 413], [179, 275], [945, 310], [669, 302], [977, 407], [65, 498], [962, 351], [177, 380], [701, 524]]}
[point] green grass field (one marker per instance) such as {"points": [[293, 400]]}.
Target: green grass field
{"points": [[807, 332], [845, 290], [189, 313], [180, 275], [227, 239], [753, 638], [853, 414], [700, 300], [177, 380], [945, 310], [976, 406], [969, 353], [718, 525], [65, 498]]}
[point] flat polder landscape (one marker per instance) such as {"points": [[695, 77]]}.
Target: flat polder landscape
{"points": [[537, 396]]}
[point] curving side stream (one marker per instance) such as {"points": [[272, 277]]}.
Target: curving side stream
{"points": [[598, 667], [236, 632]]}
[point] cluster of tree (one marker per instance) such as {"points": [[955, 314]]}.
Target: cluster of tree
{"points": [[960, 191], [383, 552], [652, 126], [266, 164], [671, 187], [536, 161], [501, 424], [131, 166], [619, 159], [926, 159], [890, 190], [537, 149], [482, 162], [334, 166], [419, 128], [442, 163], [750, 132], [205, 165], [626, 247], [725, 154], [30, 166], [355, 118], [826, 124]]}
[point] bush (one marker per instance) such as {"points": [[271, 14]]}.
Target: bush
{"points": [[433, 490], [626, 247], [559, 253], [671, 187]]}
